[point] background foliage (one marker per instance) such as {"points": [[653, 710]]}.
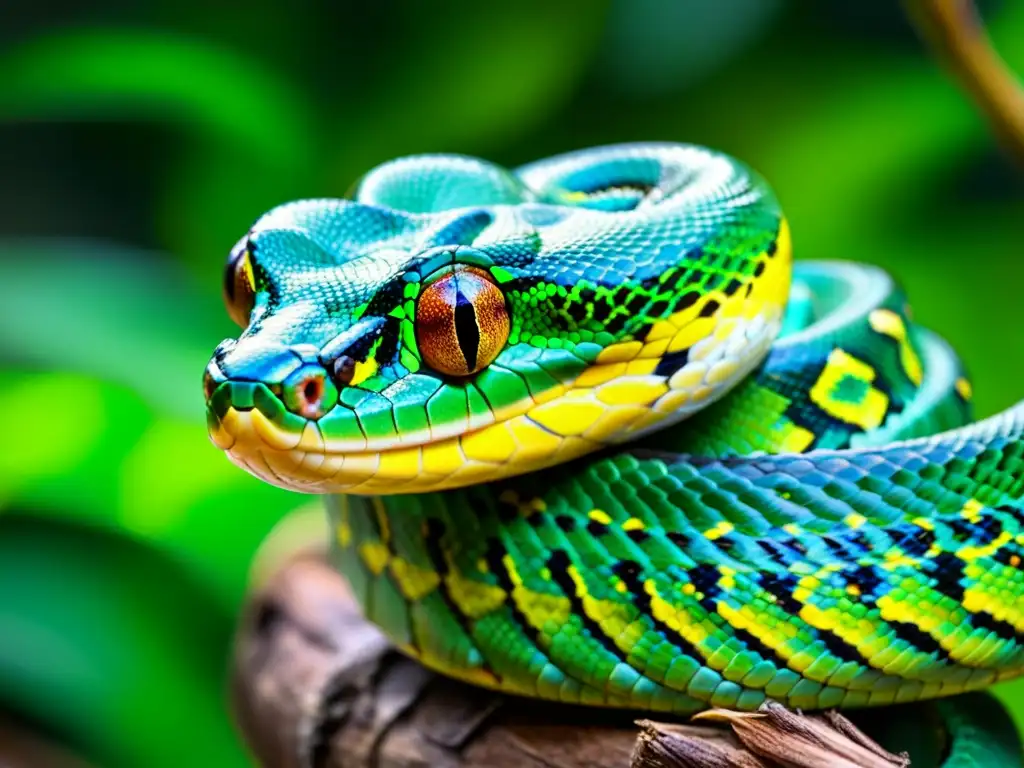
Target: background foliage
{"points": [[140, 140]]}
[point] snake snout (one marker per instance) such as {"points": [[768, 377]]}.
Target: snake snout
{"points": [[273, 388]]}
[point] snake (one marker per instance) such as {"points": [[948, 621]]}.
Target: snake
{"points": [[588, 433]]}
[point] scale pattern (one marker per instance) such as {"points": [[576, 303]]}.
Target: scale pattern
{"points": [[695, 476], [840, 577], [832, 579]]}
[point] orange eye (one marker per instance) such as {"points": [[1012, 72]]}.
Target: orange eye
{"points": [[239, 285], [461, 322]]}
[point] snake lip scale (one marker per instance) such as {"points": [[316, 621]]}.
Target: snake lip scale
{"points": [[587, 433]]}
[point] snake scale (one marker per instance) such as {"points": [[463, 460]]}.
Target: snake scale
{"points": [[588, 434]]}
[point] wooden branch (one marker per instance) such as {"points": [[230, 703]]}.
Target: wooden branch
{"points": [[316, 686], [957, 36], [21, 747]]}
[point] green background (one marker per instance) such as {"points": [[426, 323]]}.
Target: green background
{"points": [[139, 141]]}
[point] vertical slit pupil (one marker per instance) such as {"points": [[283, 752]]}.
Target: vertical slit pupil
{"points": [[466, 329]]}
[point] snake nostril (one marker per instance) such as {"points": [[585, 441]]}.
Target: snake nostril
{"points": [[309, 392], [313, 390]]}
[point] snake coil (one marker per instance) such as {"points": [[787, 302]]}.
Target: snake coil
{"points": [[587, 434]]}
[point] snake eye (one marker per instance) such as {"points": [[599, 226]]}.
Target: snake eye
{"points": [[461, 322], [239, 284]]}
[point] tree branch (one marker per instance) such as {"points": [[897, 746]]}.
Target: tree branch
{"points": [[317, 686], [20, 747], [956, 34]]}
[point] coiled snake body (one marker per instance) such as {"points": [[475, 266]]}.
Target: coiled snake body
{"points": [[590, 436]]}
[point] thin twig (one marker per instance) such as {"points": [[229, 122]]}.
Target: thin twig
{"points": [[957, 35]]}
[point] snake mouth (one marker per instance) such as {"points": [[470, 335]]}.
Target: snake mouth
{"points": [[253, 443], [251, 423]]}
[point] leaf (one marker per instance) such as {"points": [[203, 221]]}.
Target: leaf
{"points": [[654, 48], [81, 449], [133, 74], [121, 315], [496, 72], [227, 104], [103, 432], [113, 646]]}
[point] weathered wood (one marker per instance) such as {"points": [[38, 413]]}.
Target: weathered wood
{"points": [[316, 686], [22, 747]]}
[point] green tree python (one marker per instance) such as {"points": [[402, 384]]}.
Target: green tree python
{"points": [[588, 434]]}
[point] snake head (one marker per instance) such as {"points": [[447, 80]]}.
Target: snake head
{"points": [[457, 323]]}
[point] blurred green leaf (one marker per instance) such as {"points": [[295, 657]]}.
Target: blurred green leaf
{"points": [[116, 313], [1012, 695], [654, 48], [117, 466], [58, 459], [38, 454], [496, 71], [133, 74], [219, 98], [104, 438], [131, 669]]}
